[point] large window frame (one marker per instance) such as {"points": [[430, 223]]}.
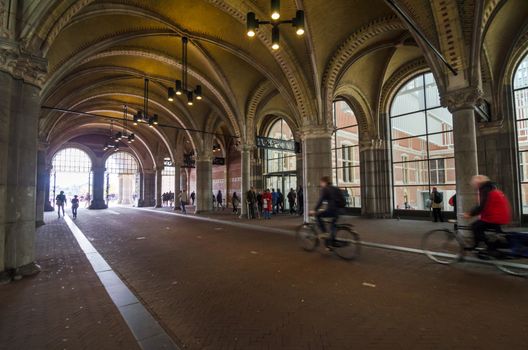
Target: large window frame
{"points": [[280, 161], [520, 101], [345, 154], [420, 125]]}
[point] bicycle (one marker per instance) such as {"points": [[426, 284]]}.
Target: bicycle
{"points": [[449, 246], [346, 245]]}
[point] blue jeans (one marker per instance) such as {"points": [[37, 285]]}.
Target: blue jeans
{"points": [[327, 214]]}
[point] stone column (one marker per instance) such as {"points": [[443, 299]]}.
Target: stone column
{"points": [[149, 188], [204, 183], [47, 184], [245, 173], [98, 190], [177, 185], [461, 104], [159, 177], [42, 185], [317, 162], [299, 169], [375, 179]]}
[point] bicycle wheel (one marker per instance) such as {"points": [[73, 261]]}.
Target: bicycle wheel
{"points": [[515, 266], [442, 246], [307, 237], [347, 243]]}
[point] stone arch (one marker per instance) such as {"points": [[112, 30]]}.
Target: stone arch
{"points": [[53, 152], [359, 104], [254, 100]]}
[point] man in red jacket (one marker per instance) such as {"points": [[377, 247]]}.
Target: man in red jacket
{"points": [[494, 210]]}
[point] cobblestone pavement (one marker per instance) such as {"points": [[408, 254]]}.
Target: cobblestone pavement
{"points": [[63, 307], [215, 286]]}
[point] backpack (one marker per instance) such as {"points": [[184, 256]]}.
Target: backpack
{"points": [[340, 199], [438, 198]]}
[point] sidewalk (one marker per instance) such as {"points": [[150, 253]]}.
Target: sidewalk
{"points": [[64, 306]]}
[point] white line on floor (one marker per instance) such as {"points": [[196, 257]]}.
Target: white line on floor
{"points": [[143, 326], [291, 233]]}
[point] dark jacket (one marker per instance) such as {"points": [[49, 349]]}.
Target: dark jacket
{"points": [[329, 195]]}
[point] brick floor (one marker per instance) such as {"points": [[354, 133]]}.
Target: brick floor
{"points": [[214, 286], [63, 307]]}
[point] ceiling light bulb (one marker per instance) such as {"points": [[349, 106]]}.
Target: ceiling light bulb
{"points": [[251, 33], [275, 9], [275, 38], [275, 46], [275, 15], [300, 31]]}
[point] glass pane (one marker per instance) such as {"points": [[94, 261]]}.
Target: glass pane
{"points": [[442, 171], [408, 125], [343, 115], [280, 130], [72, 160], [438, 120], [409, 149], [520, 79], [352, 196], [441, 145], [523, 166], [410, 98], [524, 198], [432, 97], [121, 163], [521, 104], [411, 197], [411, 173]]}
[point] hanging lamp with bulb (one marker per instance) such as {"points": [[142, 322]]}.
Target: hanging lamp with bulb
{"points": [[181, 86]]}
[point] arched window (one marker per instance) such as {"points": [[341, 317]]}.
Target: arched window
{"points": [[345, 153], [422, 145], [281, 164], [71, 173], [520, 88], [122, 179]]}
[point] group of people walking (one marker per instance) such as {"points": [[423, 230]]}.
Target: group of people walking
{"points": [[61, 202], [267, 203]]}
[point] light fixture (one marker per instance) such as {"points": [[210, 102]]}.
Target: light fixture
{"points": [[252, 23], [275, 9], [298, 23], [170, 93], [181, 86], [275, 38], [142, 116]]}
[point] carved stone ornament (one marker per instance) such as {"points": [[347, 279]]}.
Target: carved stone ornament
{"points": [[20, 65], [466, 98]]}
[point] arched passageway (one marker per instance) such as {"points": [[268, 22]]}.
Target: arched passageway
{"points": [[122, 181]]}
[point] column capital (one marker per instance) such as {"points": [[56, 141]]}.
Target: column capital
{"points": [[22, 65], [466, 98], [315, 131], [372, 144]]}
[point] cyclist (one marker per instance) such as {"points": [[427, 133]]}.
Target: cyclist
{"points": [[494, 210], [333, 198]]}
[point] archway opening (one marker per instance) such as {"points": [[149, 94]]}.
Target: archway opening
{"points": [[280, 168], [122, 179], [422, 145], [71, 172], [520, 91]]}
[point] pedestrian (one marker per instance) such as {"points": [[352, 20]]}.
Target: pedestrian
{"points": [[291, 201], [193, 197], [251, 198], [236, 202], [437, 201], [87, 200], [267, 204], [274, 199], [75, 206], [214, 201], [259, 202], [183, 201], [300, 201], [453, 203], [60, 200], [220, 200], [280, 201]]}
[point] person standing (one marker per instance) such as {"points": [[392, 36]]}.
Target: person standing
{"points": [[251, 199], [183, 201], [437, 202], [220, 200], [300, 201], [75, 206], [87, 200], [236, 202], [266, 204], [274, 199], [291, 201], [259, 202], [280, 201], [60, 200], [193, 197]]}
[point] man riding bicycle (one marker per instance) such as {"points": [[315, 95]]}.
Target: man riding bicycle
{"points": [[332, 198], [494, 210]]}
